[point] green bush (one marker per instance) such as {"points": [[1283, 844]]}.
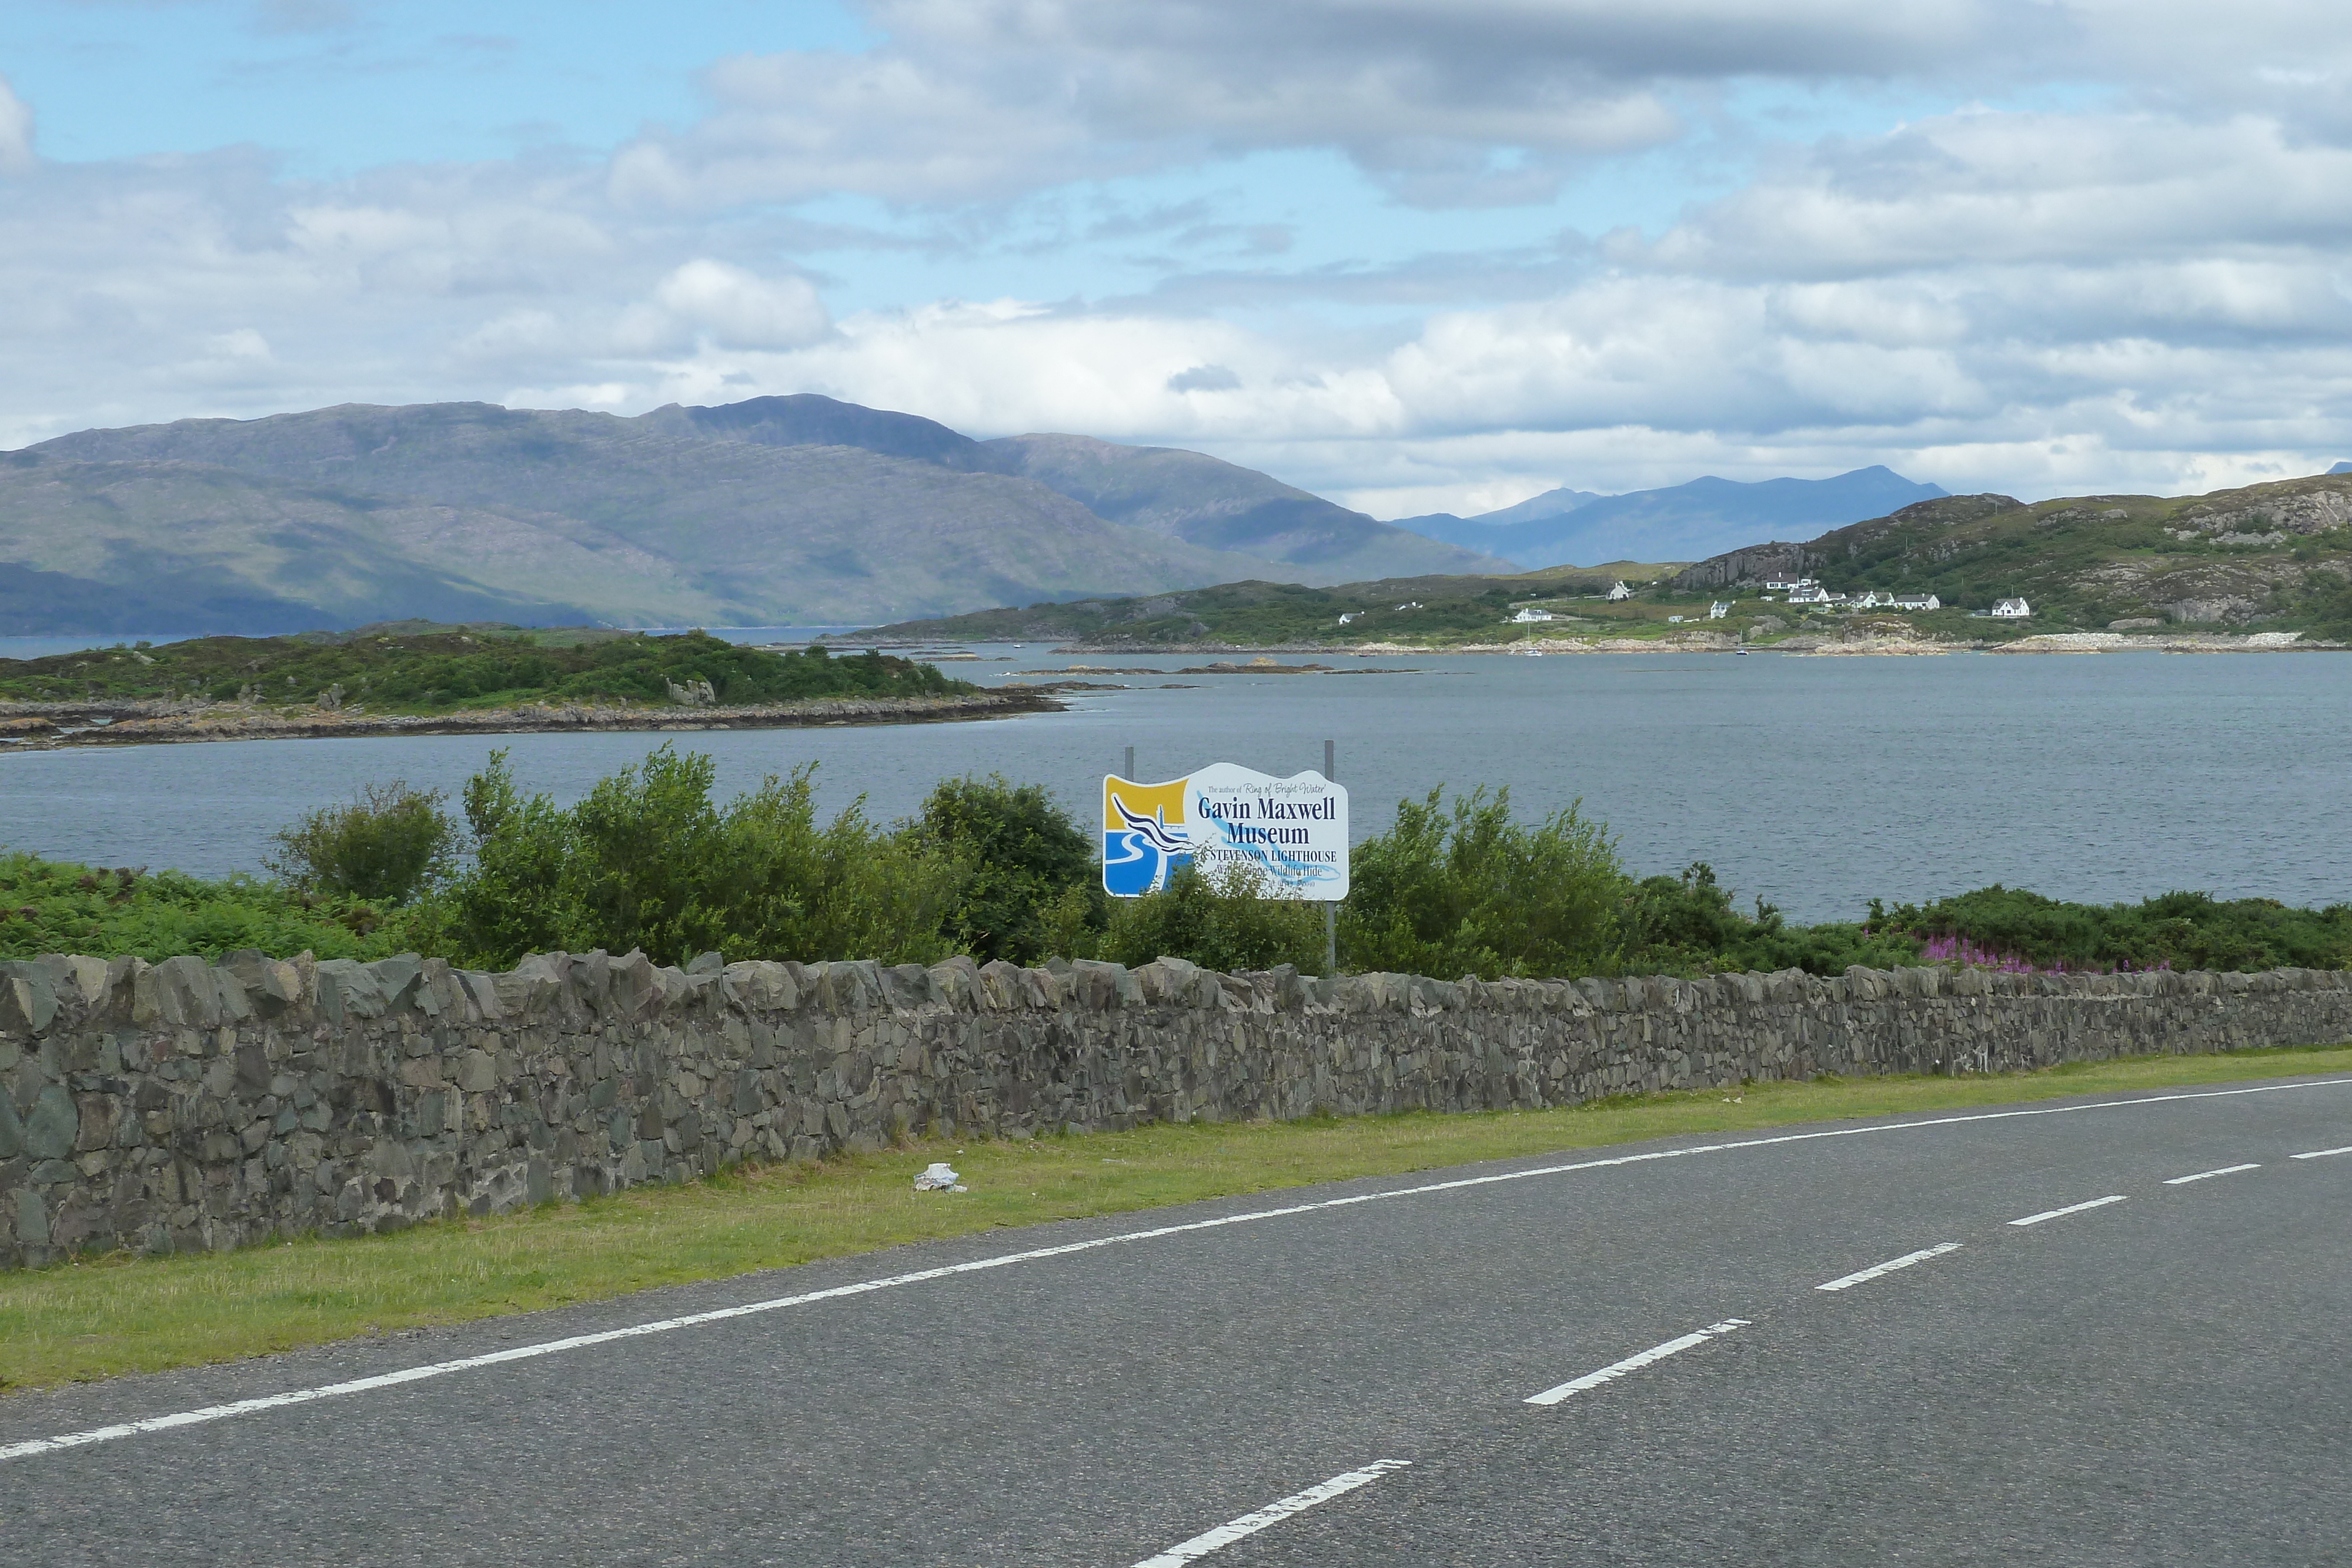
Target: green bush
{"points": [[648, 861], [1218, 922], [58, 906], [1024, 859], [390, 844], [1465, 890], [1686, 926], [2014, 928]]}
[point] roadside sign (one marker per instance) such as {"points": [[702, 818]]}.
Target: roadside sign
{"points": [[1292, 834]]}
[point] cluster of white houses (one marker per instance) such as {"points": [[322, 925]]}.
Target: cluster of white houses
{"points": [[1806, 591]]}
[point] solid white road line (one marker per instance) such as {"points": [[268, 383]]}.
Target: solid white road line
{"points": [[1875, 1270], [2070, 1208], [2200, 1176], [581, 1342], [2323, 1153], [1209, 1541], [1617, 1369]]}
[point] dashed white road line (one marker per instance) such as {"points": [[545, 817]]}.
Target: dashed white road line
{"points": [[1866, 1275], [581, 1342], [2070, 1208], [2200, 1176], [2323, 1153], [1209, 1541], [1617, 1369]]}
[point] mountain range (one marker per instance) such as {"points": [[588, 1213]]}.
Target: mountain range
{"points": [[1681, 522], [778, 510]]}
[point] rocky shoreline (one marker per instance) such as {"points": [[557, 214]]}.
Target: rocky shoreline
{"points": [[1697, 641], [47, 727]]}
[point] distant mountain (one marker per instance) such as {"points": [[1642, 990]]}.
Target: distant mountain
{"points": [[1220, 505], [780, 511], [1550, 503], [1179, 495], [2341, 468], [179, 547], [775, 510], [1681, 522]]}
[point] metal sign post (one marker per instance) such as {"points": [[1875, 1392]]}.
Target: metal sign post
{"points": [[1330, 909]]}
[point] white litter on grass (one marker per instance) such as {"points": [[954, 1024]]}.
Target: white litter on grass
{"points": [[941, 1178]]}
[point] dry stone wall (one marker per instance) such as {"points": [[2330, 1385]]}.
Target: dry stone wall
{"points": [[183, 1105]]}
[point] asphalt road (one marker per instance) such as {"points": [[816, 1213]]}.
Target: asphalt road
{"points": [[2154, 1380]]}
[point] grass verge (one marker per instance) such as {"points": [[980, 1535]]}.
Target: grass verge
{"points": [[120, 1314]]}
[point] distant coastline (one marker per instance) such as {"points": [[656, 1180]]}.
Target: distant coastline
{"points": [[1720, 642], [48, 727]]}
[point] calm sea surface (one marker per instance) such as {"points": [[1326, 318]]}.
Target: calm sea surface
{"points": [[1815, 782]]}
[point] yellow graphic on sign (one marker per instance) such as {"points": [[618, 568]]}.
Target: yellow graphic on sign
{"points": [[1144, 836]]}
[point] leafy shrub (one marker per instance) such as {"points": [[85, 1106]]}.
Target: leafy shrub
{"points": [[2173, 930], [1024, 859], [1217, 921], [390, 844], [1688, 926], [58, 906], [648, 861], [1465, 890]]}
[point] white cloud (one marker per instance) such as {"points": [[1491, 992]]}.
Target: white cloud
{"points": [[2144, 282], [17, 156], [740, 310], [979, 100]]}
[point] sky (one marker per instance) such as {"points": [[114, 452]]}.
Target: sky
{"points": [[1414, 255]]}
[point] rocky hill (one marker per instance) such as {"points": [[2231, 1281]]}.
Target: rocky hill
{"points": [[775, 511], [2275, 556]]}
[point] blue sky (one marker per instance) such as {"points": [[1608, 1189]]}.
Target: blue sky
{"points": [[1415, 255]]}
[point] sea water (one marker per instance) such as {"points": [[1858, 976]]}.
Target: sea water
{"points": [[1816, 783]]}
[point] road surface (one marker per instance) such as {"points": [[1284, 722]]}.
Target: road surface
{"points": [[2045, 1344]]}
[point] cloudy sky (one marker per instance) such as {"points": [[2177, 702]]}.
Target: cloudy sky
{"points": [[1412, 254]]}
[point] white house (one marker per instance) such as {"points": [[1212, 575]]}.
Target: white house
{"points": [[1530, 616], [1790, 584], [1717, 610], [1919, 601], [1349, 616], [1811, 594], [2012, 609], [1619, 590]]}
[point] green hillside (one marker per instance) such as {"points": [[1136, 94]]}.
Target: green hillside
{"points": [[2267, 558], [2271, 557], [1432, 610]]}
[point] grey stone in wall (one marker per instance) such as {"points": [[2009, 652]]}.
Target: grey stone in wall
{"points": [[182, 1105]]}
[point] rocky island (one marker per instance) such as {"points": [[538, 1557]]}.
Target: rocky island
{"points": [[481, 679]]}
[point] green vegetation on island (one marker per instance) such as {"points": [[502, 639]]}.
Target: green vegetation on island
{"points": [[1457, 885], [425, 669]]}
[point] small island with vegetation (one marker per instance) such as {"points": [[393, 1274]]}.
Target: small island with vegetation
{"points": [[421, 678]]}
